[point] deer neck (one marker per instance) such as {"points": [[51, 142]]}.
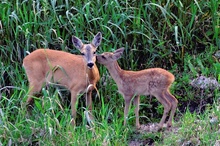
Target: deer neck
{"points": [[92, 74], [115, 71]]}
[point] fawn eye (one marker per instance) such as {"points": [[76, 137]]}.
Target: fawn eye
{"points": [[103, 57], [94, 52], [82, 54]]}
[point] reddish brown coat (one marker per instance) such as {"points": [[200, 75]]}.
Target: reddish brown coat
{"points": [[153, 81], [75, 72]]}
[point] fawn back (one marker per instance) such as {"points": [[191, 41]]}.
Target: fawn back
{"points": [[132, 84]]}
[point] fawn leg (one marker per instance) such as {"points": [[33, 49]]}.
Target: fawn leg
{"points": [[166, 104], [136, 104], [174, 103], [127, 104]]}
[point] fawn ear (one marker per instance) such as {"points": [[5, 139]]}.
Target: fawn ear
{"points": [[77, 42], [117, 53], [97, 39]]}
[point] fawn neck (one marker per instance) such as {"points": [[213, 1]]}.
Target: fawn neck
{"points": [[115, 71]]}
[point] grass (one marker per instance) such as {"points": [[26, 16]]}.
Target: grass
{"points": [[181, 36], [196, 130]]}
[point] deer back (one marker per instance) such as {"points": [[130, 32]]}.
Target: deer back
{"points": [[61, 67]]}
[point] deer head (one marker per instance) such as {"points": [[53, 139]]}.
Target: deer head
{"points": [[88, 50]]}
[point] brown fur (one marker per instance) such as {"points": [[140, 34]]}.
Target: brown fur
{"points": [[153, 81], [75, 72]]}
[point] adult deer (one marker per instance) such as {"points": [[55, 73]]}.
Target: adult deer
{"points": [[153, 81], [76, 72]]}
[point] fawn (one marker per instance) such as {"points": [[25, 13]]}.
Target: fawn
{"points": [[153, 81], [75, 72]]}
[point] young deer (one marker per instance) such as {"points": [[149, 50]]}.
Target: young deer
{"points": [[76, 72], [153, 81]]}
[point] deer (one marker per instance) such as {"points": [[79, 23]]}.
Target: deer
{"points": [[78, 73], [132, 84]]}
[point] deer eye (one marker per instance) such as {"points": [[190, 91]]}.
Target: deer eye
{"points": [[94, 52], [82, 54], [103, 57]]}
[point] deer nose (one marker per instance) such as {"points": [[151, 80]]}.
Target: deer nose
{"points": [[90, 64]]}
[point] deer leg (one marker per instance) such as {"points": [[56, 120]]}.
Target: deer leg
{"points": [[34, 88], [167, 106], [136, 104], [89, 100], [73, 106], [89, 104], [174, 103], [127, 104]]}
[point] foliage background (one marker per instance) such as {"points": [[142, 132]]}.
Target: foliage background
{"points": [[180, 36]]}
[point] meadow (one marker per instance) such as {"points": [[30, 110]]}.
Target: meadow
{"points": [[180, 36]]}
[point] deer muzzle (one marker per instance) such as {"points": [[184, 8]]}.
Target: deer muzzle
{"points": [[90, 64]]}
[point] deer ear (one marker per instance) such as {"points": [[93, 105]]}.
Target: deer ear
{"points": [[117, 54], [97, 39], [77, 42], [120, 50]]}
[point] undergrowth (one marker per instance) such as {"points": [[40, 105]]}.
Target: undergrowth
{"points": [[180, 36]]}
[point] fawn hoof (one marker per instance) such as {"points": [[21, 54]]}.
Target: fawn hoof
{"points": [[164, 126], [160, 126], [169, 124], [138, 126]]}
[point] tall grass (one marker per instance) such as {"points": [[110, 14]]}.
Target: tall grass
{"points": [[180, 36]]}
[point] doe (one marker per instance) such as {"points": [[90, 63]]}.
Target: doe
{"points": [[75, 72], [153, 81]]}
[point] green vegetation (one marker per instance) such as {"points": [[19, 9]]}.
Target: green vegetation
{"points": [[180, 36]]}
